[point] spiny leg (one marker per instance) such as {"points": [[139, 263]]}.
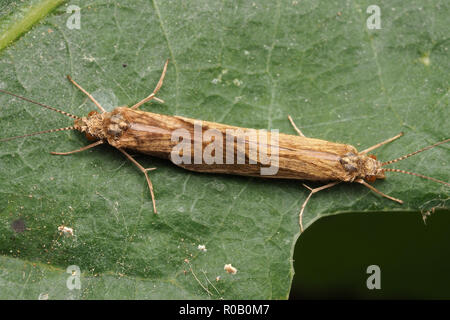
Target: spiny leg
{"points": [[378, 191], [81, 149], [144, 170], [158, 86], [295, 127], [382, 143], [87, 93], [315, 190]]}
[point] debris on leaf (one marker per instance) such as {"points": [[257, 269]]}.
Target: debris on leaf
{"points": [[66, 230], [230, 269], [43, 296]]}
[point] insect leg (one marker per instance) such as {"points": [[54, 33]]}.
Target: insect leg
{"points": [[295, 127], [79, 150], [381, 143], [144, 170], [378, 191], [87, 93], [158, 86], [315, 190]]}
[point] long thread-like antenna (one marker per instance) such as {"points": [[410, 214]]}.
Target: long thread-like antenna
{"points": [[36, 133], [413, 153], [40, 104], [417, 174]]}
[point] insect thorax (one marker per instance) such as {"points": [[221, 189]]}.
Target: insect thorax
{"points": [[115, 125], [361, 166], [107, 125]]}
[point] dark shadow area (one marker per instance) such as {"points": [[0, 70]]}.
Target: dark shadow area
{"points": [[332, 256]]}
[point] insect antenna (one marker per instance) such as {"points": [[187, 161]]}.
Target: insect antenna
{"points": [[36, 133], [417, 175], [40, 104], [410, 155], [414, 153]]}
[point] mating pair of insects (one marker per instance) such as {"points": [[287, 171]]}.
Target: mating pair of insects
{"points": [[299, 157]]}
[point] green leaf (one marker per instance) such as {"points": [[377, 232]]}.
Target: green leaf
{"points": [[242, 63], [17, 18]]}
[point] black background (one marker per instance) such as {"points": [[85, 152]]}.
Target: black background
{"points": [[332, 256]]}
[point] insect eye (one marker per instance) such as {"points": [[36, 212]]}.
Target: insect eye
{"points": [[371, 179], [373, 156], [92, 113], [90, 137]]}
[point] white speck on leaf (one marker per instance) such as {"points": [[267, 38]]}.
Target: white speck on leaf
{"points": [[425, 60], [90, 58], [66, 230], [237, 82], [230, 269], [43, 296]]}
